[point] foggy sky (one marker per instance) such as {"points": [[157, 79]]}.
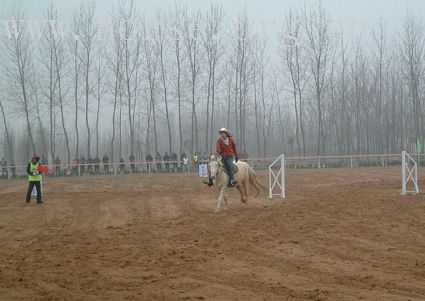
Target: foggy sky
{"points": [[371, 10], [343, 12]]}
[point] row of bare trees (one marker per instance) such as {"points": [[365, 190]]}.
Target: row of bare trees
{"points": [[143, 85]]}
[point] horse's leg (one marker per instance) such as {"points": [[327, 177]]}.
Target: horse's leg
{"points": [[221, 196], [225, 203], [241, 190], [246, 190]]}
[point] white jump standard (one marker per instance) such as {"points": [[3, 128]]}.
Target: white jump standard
{"points": [[277, 179], [409, 172]]}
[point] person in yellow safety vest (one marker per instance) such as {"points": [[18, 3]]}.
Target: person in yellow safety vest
{"points": [[34, 179]]}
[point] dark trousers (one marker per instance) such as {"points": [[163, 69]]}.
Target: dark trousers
{"points": [[31, 187], [228, 163]]}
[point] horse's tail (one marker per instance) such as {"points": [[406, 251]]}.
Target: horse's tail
{"points": [[254, 181]]}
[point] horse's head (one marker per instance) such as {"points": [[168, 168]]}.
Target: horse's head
{"points": [[214, 165]]}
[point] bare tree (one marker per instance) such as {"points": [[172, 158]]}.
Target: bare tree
{"points": [[262, 73], [20, 70], [151, 59], [75, 49], [101, 75], [87, 32], [240, 48], [116, 68], [412, 49], [37, 106], [257, 112], [323, 97], [379, 37], [59, 66], [191, 36], [47, 57], [315, 20], [177, 36], [131, 61], [211, 40], [161, 46], [8, 146], [291, 53]]}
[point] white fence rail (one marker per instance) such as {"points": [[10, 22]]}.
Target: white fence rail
{"points": [[350, 161]]}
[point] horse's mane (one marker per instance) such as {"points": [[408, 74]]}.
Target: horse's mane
{"points": [[217, 158]]}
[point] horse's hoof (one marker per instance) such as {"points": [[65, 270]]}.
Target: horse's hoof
{"points": [[243, 201], [226, 208], [217, 210]]}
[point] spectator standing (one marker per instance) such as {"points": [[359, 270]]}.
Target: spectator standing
{"points": [[185, 163], [34, 179], [122, 165], [13, 169], [166, 159], [96, 165], [89, 164], [158, 160], [74, 167], [182, 155], [105, 161], [57, 164], [132, 165], [82, 164], [4, 172], [149, 160], [175, 160]]}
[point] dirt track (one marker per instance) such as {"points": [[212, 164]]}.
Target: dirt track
{"points": [[340, 234]]}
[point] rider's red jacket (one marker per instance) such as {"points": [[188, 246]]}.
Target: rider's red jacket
{"points": [[226, 150]]}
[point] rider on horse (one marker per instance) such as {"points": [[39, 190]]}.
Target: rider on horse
{"points": [[226, 147]]}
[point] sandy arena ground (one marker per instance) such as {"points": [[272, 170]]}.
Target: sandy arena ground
{"points": [[341, 234]]}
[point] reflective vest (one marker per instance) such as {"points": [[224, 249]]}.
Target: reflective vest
{"points": [[195, 158], [34, 168]]}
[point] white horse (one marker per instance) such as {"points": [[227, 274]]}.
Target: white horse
{"points": [[244, 177]]}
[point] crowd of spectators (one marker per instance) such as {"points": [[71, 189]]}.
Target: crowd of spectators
{"points": [[166, 163]]}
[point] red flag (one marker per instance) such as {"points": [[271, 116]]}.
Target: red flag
{"points": [[43, 168]]}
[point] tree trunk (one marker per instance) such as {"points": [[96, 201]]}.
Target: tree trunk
{"points": [[9, 152]]}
